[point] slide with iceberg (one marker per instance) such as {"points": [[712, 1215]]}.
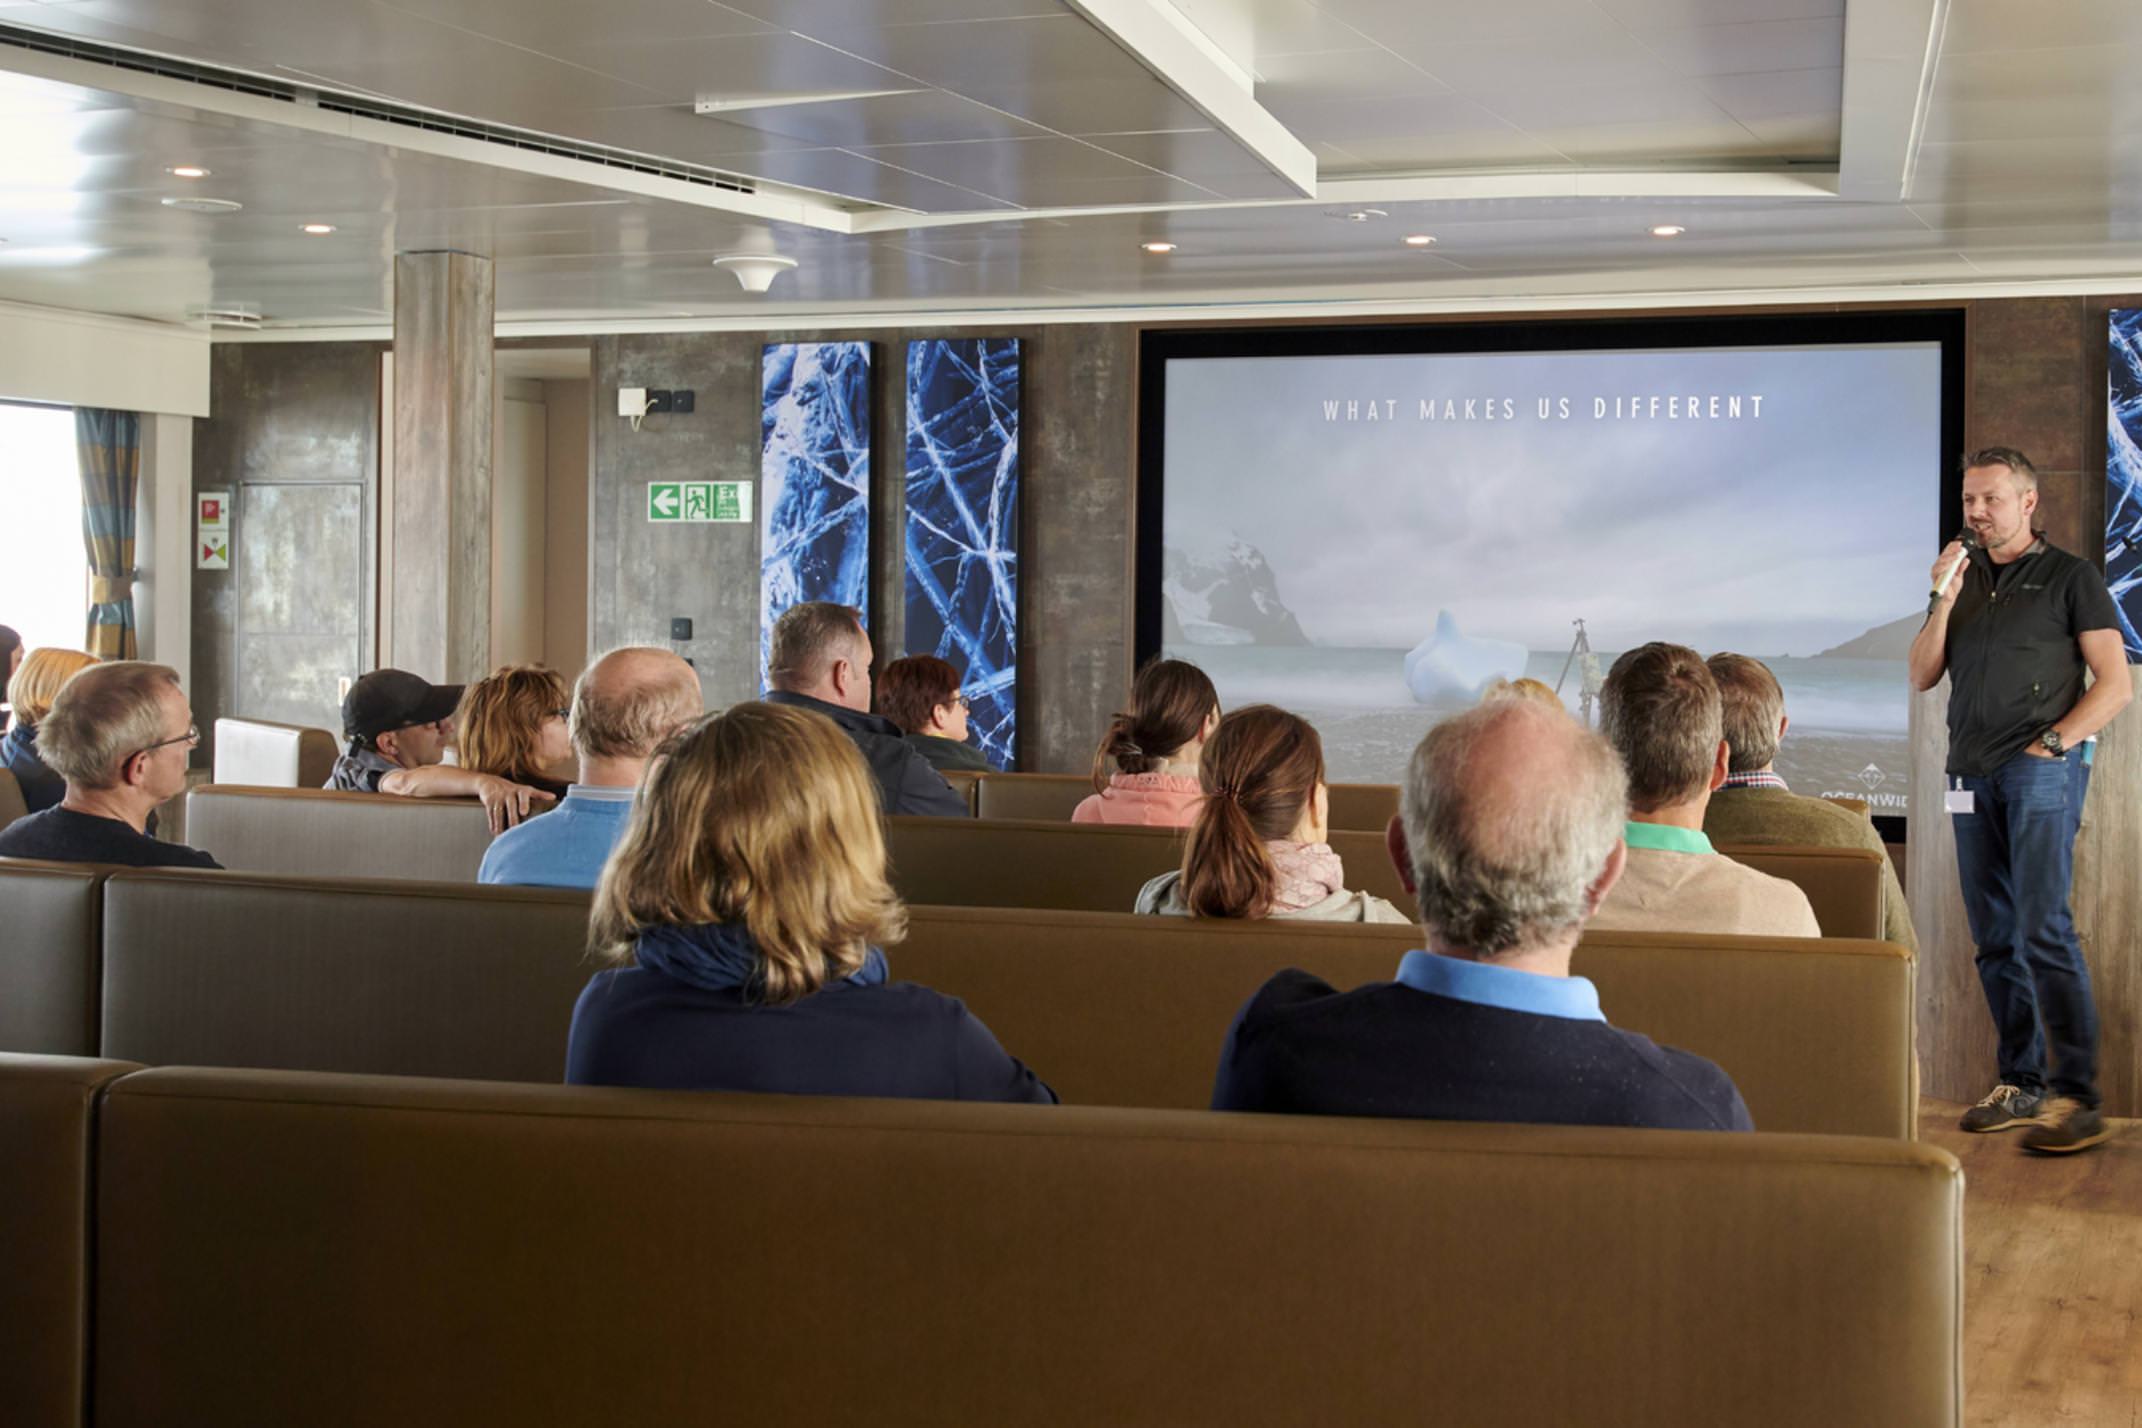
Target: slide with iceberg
{"points": [[1450, 667]]}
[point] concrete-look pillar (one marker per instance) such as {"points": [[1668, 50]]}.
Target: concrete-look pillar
{"points": [[439, 603]]}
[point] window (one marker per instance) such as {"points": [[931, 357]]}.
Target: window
{"points": [[44, 575]]}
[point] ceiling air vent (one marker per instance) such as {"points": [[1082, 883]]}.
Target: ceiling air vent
{"points": [[239, 317], [406, 116]]}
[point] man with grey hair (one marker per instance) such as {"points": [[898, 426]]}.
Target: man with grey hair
{"points": [[1755, 808], [624, 705], [819, 659], [1660, 710], [119, 734], [1509, 835]]}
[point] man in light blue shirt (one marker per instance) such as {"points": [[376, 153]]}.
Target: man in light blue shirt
{"points": [[624, 706]]}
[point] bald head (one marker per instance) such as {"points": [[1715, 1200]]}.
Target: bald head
{"points": [[630, 700], [1512, 814]]}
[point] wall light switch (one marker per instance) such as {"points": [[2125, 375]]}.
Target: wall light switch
{"points": [[631, 401]]}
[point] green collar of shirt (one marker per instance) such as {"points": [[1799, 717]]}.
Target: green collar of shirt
{"points": [[1665, 838]]}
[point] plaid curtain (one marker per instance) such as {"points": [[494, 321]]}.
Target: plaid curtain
{"points": [[109, 446]]}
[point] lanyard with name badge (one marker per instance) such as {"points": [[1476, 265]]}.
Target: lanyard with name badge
{"points": [[1959, 800]]}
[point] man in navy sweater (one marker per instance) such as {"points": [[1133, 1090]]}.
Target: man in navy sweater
{"points": [[1510, 836]]}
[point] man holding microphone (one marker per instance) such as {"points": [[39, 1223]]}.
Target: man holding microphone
{"points": [[2014, 628]]}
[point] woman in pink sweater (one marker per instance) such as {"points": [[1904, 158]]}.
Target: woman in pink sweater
{"points": [[1154, 750]]}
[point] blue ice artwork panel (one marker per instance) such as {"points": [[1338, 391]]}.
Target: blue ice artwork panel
{"points": [[2123, 474], [962, 582], [814, 479]]}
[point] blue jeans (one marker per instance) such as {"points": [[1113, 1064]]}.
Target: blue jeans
{"points": [[2015, 852]]}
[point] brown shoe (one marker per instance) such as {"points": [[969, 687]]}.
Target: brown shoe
{"points": [[2004, 1108], [2066, 1126]]}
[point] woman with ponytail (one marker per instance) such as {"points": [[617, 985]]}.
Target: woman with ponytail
{"points": [[1257, 848], [1146, 769]]}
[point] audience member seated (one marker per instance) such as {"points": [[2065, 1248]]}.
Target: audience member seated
{"points": [[10, 661], [624, 706], [1756, 808], [31, 691], [119, 735], [921, 694], [1525, 687], [1510, 835], [512, 724], [399, 727], [744, 910], [819, 659], [1660, 710], [1257, 848], [1155, 749]]}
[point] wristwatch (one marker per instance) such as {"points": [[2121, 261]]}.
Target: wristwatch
{"points": [[2050, 742]]}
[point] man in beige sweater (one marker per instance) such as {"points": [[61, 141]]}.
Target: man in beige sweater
{"points": [[1661, 711], [1755, 807]]}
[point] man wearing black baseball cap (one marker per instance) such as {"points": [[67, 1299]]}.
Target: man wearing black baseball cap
{"points": [[399, 726]]}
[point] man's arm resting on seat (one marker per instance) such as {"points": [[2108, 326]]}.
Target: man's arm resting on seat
{"points": [[505, 803]]}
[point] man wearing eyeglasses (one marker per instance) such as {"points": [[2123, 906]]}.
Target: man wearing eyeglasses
{"points": [[119, 734]]}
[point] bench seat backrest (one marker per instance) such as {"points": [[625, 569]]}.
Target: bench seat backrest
{"points": [[277, 1248], [51, 931], [389, 977], [1025, 863], [47, 1107]]}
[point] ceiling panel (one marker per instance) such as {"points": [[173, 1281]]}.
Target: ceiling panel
{"points": [[2032, 169], [1275, 27], [1755, 47]]}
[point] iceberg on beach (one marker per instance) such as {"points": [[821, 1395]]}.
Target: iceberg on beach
{"points": [[1452, 667]]}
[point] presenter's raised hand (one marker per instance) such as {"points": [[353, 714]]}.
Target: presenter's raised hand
{"points": [[1950, 553]]}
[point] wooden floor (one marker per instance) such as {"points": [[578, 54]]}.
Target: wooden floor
{"points": [[2052, 1278]]}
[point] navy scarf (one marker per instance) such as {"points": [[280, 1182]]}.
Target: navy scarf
{"points": [[723, 957]]}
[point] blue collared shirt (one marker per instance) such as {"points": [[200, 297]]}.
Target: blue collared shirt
{"points": [[564, 848], [1485, 984]]}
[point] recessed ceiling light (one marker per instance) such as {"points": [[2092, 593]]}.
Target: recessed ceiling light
{"points": [[319, 230], [1420, 240], [1667, 230], [189, 171], [204, 205], [1157, 246]]}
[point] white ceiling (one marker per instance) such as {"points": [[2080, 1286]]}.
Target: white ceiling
{"points": [[961, 155]]}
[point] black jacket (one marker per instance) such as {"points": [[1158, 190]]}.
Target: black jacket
{"points": [[2015, 667], [906, 782], [1299, 1047]]}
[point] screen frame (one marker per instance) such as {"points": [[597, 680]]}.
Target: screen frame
{"points": [[1158, 346]]}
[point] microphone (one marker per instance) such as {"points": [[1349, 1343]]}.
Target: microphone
{"points": [[1969, 540]]}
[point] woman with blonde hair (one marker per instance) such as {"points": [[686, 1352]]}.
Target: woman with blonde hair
{"points": [[1257, 848], [31, 690], [1154, 747], [512, 724], [742, 914]]}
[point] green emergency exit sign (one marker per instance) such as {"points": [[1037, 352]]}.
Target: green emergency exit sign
{"points": [[699, 502]]}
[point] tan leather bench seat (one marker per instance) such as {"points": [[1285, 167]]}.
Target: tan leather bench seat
{"points": [[47, 1105], [326, 833], [1119, 1010], [1025, 863], [373, 975], [448, 980], [51, 928], [1051, 797], [12, 806], [280, 1249]]}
